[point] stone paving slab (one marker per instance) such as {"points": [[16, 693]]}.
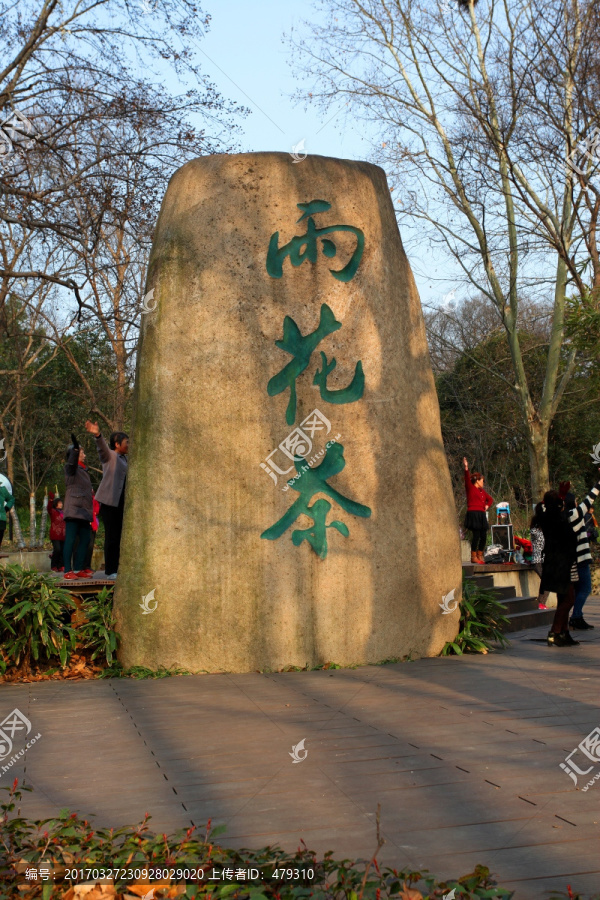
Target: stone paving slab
{"points": [[462, 754]]}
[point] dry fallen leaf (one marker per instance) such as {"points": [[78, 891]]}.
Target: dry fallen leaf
{"points": [[94, 892], [140, 890], [162, 892], [409, 894]]}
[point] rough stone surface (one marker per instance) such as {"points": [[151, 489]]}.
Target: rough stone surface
{"points": [[197, 498]]}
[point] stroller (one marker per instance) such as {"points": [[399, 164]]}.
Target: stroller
{"points": [[502, 548]]}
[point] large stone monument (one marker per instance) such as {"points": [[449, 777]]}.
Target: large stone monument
{"points": [[288, 497]]}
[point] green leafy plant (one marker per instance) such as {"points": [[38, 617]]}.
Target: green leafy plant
{"points": [[97, 632], [33, 610], [69, 842], [481, 620]]}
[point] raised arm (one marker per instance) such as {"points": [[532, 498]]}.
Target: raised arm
{"points": [[586, 504], [72, 461], [467, 475], [104, 451]]}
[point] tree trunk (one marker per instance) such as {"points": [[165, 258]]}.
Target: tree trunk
{"points": [[32, 530], [121, 386], [17, 526], [42, 534], [538, 460]]}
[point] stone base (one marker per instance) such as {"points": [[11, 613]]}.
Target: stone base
{"points": [[29, 559]]}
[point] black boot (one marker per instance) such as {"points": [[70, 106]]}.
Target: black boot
{"points": [[579, 624], [563, 639], [568, 640]]}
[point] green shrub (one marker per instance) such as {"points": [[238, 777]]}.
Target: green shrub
{"points": [[97, 632], [33, 610], [481, 620]]}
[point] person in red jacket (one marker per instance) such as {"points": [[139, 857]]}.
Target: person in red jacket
{"points": [[478, 503], [57, 533], [95, 521]]}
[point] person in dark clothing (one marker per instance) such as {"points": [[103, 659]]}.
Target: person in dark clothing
{"points": [[94, 528], [478, 503], [537, 550], [577, 513], [78, 511], [111, 493], [57, 533], [558, 569]]}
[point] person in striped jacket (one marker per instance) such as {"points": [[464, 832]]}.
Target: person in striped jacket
{"points": [[577, 513]]}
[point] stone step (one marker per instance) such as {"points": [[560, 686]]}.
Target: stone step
{"points": [[533, 618], [520, 604], [483, 581], [503, 593], [497, 567]]}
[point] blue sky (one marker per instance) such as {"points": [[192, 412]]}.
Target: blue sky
{"points": [[245, 41], [248, 59]]}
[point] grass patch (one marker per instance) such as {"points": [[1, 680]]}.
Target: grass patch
{"points": [[116, 670]]}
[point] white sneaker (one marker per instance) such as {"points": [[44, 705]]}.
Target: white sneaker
{"points": [[111, 577]]}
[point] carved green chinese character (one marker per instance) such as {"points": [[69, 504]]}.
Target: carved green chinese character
{"points": [[311, 482], [304, 246], [301, 348], [316, 535], [349, 394]]}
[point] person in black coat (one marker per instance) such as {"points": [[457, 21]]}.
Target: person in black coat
{"points": [[78, 511], [560, 554]]}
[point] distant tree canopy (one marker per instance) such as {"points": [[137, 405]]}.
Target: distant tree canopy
{"points": [[481, 419], [43, 399], [90, 133], [485, 118]]}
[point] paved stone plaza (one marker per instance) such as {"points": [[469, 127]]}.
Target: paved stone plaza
{"points": [[462, 753]]}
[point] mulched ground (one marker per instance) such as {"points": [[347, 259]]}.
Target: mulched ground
{"points": [[79, 667]]}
